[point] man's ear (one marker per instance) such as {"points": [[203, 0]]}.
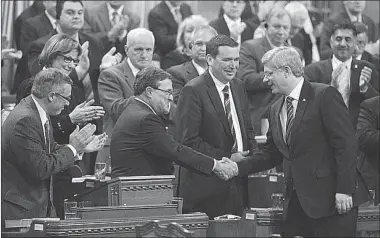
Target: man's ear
{"points": [[190, 45], [209, 59], [126, 50], [50, 97]]}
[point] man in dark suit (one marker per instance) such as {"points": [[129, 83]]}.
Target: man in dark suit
{"points": [[357, 80], [353, 12], [141, 144], [251, 70], [30, 155], [116, 83], [163, 21], [71, 25], [361, 42], [32, 29], [111, 19], [231, 24], [185, 72], [311, 133], [212, 118], [36, 8], [367, 133]]}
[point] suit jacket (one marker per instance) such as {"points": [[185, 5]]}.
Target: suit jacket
{"points": [[115, 88], [221, 27], [26, 166], [95, 54], [321, 71], [251, 72], [97, 24], [173, 58], [338, 17], [202, 124], [367, 133], [372, 59], [182, 74], [141, 145], [164, 27], [36, 8], [302, 41], [321, 158]]}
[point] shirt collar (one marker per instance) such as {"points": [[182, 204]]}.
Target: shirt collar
{"points": [[142, 101], [171, 7], [59, 30], [359, 57], [111, 10], [296, 92], [41, 111], [52, 19], [335, 62], [270, 43], [199, 68], [219, 85], [354, 18], [133, 68], [229, 21]]}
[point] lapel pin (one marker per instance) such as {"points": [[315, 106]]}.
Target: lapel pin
{"points": [[303, 100], [356, 66]]}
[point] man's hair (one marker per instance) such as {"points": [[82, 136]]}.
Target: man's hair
{"points": [[56, 45], [149, 77], [196, 20], [278, 12], [212, 46], [59, 6], [49, 80], [297, 10], [345, 25], [284, 56], [203, 29], [361, 28], [134, 35]]}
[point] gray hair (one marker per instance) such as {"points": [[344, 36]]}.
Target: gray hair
{"points": [[205, 28], [297, 10], [135, 34], [49, 80], [197, 20], [284, 56]]}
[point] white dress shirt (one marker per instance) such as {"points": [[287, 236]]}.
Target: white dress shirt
{"points": [[133, 68], [219, 87], [336, 62], [53, 20], [119, 12], [230, 25], [295, 94]]}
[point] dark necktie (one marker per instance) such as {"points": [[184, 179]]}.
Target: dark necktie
{"points": [[47, 141], [227, 107], [289, 121]]}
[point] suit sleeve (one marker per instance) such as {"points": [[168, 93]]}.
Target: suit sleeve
{"points": [[249, 70], [164, 42], [252, 143], [30, 153], [110, 94], [373, 89], [325, 48], [189, 121], [163, 145], [341, 135], [27, 36], [177, 82], [34, 51], [265, 158], [367, 131]]}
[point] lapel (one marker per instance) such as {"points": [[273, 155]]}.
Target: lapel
{"points": [[223, 26], [302, 104], [46, 24], [191, 71], [265, 45], [167, 15], [276, 128], [355, 75], [327, 69], [238, 106], [129, 77], [103, 17], [215, 100]]}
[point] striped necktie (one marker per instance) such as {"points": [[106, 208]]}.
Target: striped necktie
{"points": [[227, 107], [48, 145], [289, 121]]}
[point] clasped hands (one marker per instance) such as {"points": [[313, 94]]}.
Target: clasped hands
{"points": [[227, 168]]}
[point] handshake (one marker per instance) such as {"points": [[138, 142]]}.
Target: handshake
{"points": [[227, 168]]}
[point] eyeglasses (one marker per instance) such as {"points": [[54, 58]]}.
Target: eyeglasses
{"points": [[68, 59], [270, 74], [66, 98], [170, 92]]}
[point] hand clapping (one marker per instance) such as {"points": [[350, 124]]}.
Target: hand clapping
{"points": [[365, 77], [84, 112], [97, 143]]}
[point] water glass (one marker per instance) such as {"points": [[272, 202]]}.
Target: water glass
{"points": [[100, 171], [70, 210]]}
